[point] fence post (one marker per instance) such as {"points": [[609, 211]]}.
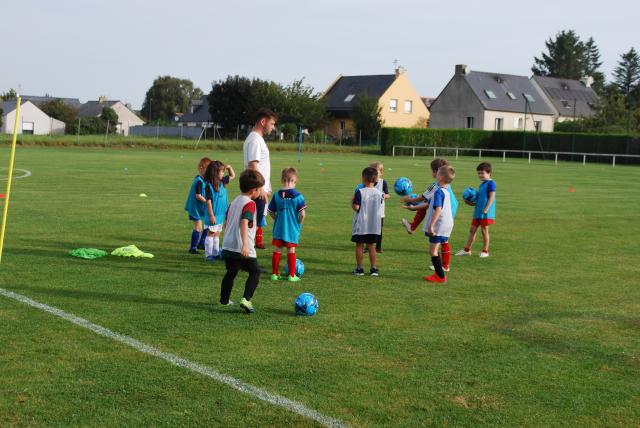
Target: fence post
{"points": [[504, 156], [78, 137], [456, 153], [480, 154], [529, 157], [614, 161], [556, 159], [584, 160], [157, 131], [434, 152], [393, 151], [413, 153]]}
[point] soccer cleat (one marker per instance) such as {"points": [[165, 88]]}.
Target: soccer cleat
{"points": [[374, 272], [193, 251], [294, 278], [435, 278], [484, 254], [211, 259], [463, 253], [379, 251], [201, 246], [275, 277], [229, 303], [358, 271], [446, 269], [260, 246], [247, 306], [407, 226]]}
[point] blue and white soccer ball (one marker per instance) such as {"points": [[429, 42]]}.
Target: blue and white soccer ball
{"points": [[299, 268], [413, 196], [403, 186], [306, 304], [470, 195]]}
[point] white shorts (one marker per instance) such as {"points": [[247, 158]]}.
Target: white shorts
{"points": [[215, 228]]}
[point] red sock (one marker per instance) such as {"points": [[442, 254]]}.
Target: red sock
{"points": [[275, 263], [467, 249], [446, 255], [291, 263], [417, 219], [258, 236]]}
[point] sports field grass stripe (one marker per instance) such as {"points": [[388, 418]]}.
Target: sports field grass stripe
{"points": [[241, 386], [25, 173]]}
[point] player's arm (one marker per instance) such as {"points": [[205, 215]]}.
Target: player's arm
{"points": [[385, 189], [490, 199], [244, 236], [424, 206], [408, 200], [199, 192], [272, 208], [436, 213], [212, 218], [356, 201], [301, 215], [230, 172]]}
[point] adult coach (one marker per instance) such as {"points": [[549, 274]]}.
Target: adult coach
{"points": [[256, 157]]}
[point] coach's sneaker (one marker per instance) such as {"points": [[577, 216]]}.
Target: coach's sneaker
{"points": [[436, 279], [294, 278], [247, 306], [374, 272], [358, 271], [463, 252], [407, 226], [446, 269], [484, 254]]}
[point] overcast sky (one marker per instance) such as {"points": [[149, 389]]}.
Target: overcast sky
{"points": [[84, 49]]}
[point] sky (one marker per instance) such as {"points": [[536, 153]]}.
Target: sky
{"points": [[85, 49]]}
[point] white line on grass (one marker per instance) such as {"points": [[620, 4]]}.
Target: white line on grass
{"points": [[25, 173], [241, 386]]}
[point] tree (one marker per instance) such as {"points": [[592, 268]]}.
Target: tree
{"points": [[302, 106], [168, 96], [627, 75], [229, 101], [566, 57], [367, 115], [61, 111], [593, 64], [110, 117], [10, 95]]}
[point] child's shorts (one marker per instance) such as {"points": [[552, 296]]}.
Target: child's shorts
{"points": [[365, 239], [279, 243], [482, 222], [437, 239], [192, 218], [215, 228]]}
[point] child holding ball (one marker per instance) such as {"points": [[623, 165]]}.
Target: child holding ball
{"points": [[196, 206]]}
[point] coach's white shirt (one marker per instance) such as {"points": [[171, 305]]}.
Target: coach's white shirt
{"points": [[255, 149]]}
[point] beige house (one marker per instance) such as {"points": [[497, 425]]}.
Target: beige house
{"points": [[491, 101], [31, 120], [126, 117], [400, 103], [571, 99]]}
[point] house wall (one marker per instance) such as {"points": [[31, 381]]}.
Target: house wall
{"points": [[455, 103], [333, 128], [42, 123], [510, 121], [126, 118], [403, 90]]}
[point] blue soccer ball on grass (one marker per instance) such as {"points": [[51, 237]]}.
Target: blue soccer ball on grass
{"points": [[299, 268], [470, 195], [403, 186], [306, 304]]}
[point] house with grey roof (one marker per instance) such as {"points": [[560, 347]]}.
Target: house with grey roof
{"points": [[198, 114], [31, 120], [571, 99], [40, 100], [491, 101], [126, 116]]}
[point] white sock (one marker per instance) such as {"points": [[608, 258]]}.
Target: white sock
{"points": [[208, 246], [216, 245]]}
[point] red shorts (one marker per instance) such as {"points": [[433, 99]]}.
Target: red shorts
{"points": [[482, 222], [280, 244]]}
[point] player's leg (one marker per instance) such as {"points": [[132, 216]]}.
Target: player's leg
{"points": [[472, 237], [359, 271], [195, 235], [203, 236], [439, 276], [260, 206], [251, 266], [373, 259], [291, 261], [275, 261], [485, 240], [227, 281], [208, 244], [445, 253], [379, 240], [417, 219]]}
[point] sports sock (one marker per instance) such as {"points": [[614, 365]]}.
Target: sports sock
{"points": [[446, 254], [202, 237], [417, 219], [467, 249], [216, 246], [275, 263], [258, 236], [195, 235], [291, 263], [208, 246], [437, 264]]}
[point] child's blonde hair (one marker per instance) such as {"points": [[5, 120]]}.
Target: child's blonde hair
{"points": [[288, 174], [447, 172], [377, 165]]}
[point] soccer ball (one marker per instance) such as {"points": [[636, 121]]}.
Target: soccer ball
{"points": [[402, 186], [470, 195], [413, 196], [299, 268], [306, 304]]}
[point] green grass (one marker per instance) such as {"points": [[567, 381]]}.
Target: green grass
{"points": [[543, 333]]}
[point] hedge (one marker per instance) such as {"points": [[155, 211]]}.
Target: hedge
{"points": [[510, 140]]}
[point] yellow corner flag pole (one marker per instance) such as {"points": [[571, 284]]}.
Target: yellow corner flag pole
{"points": [[5, 209]]}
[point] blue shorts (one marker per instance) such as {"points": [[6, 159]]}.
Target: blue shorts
{"points": [[437, 239], [192, 218]]}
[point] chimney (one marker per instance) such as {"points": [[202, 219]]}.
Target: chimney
{"points": [[102, 99], [400, 70], [462, 70], [587, 81]]}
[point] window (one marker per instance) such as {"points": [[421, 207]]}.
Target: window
{"points": [[566, 104], [511, 95], [517, 123], [538, 125], [27, 127], [529, 98], [342, 125], [499, 123], [349, 98], [408, 106], [469, 122], [393, 106], [490, 94]]}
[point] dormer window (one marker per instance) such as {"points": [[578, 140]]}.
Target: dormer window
{"points": [[349, 98], [490, 94], [511, 95], [529, 98]]}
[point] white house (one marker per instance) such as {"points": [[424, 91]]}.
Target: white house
{"points": [[32, 120], [126, 117]]}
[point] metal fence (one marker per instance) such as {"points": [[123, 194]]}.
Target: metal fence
{"points": [[528, 153], [189, 132]]}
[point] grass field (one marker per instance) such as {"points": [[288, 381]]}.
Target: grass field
{"points": [[545, 332]]}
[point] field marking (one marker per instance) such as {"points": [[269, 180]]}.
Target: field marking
{"points": [[26, 173], [261, 394]]}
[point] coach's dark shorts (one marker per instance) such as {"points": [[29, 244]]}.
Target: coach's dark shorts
{"points": [[365, 239]]}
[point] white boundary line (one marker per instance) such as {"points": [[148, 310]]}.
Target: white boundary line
{"points": [[26, 174], [237, 384]]}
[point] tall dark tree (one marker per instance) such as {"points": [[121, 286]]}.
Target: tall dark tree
{"points": [[565, 57], [10, 95], [593, 64], [367, 115], [61, 111], [167, 96], [627, 75], [229, 103]]}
